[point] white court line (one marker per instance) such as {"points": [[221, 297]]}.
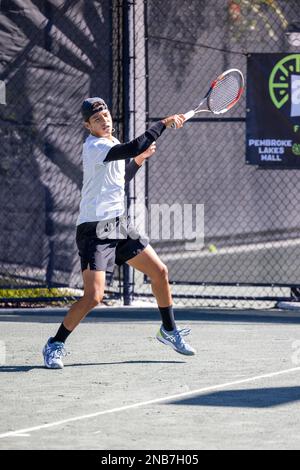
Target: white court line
{"points": [[144, 403], [230, 250]]}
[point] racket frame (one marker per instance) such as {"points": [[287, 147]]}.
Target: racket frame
{"points": [[191, 114]]}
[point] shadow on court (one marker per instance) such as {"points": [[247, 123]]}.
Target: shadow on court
{"points": [[251, 398], [29, 368]]}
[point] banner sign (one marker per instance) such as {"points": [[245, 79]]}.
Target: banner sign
{"points": [[273, 110]]}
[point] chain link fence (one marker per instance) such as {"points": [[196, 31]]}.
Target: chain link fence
{"points": [[53, 55], [147, 59], [251, 217]]}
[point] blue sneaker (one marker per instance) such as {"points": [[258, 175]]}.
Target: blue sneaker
{"points": [[175, 339], [53, 352]]}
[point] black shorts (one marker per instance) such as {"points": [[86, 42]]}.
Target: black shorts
{"points": [[101, 245]]}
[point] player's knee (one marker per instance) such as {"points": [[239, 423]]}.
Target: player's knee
{"points": [[162, 273], [165, 272], [94, 298], [97, 298]]}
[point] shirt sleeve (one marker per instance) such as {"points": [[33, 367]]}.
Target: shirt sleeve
{"points": [[137, 146], [100, 148], [130, 170]]}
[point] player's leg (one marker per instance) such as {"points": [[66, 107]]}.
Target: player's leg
{"points": [[149, 263], [97, 257], [94, 284]]}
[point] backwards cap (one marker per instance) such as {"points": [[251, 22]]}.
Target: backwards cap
{"points": [[91, 106]]}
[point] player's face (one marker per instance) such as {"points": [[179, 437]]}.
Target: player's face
{"points": [[100, 124]]}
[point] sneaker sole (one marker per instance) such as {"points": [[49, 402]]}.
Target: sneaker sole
{"points": [[50, 367], [53, 367], [162, 340]]}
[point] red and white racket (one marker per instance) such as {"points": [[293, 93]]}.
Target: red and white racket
{"points": [[222, 95]]}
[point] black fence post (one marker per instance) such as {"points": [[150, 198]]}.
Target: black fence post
{"points": [[127, 270]]}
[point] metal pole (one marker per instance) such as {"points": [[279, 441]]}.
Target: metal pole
{"points": [[127, 89]]}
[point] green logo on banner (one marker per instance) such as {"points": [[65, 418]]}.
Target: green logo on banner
{"points": [[279, 82], [296, 149]]}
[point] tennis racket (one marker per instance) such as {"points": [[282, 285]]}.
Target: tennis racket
{"points": [[222, 95]]}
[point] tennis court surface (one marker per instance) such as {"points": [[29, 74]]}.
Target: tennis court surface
{"points": [[122, 389]]}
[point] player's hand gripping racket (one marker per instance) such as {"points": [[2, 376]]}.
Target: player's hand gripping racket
{"points": [[223, 94]]}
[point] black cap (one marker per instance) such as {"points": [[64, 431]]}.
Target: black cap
{"points": [[91, 106], [293, 27]]}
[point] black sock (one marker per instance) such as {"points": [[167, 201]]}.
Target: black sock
{"points": [[167, 316], [61, 334]]}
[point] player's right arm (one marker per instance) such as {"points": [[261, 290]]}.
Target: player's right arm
{"points": [[139, 145]]}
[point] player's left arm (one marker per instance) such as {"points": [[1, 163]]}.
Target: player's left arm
{"points": [[136, 163]]}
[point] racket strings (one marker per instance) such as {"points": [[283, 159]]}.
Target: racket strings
{"points": [[225, 92]]}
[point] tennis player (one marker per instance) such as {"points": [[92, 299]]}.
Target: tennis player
{"points": [[105, 236]]}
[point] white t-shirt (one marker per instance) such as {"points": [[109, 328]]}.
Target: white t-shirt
{"points": [[102, 195]]}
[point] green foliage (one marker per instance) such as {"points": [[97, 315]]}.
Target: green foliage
{"points": [[23, 293]]}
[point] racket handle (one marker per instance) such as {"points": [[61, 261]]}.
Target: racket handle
{"points": [[187, 116]]}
